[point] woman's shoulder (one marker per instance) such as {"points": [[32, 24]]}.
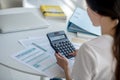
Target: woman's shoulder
{"points": [[100, 42]]}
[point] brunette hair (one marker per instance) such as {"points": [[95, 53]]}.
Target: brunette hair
{"points": [[110, 8]]}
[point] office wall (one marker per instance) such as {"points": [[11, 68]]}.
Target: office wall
{"points": [[72, 4], [80, 3], [10, 3], [0, 5]]}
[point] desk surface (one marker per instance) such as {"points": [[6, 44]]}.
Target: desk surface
{"points": [[9, 44]]}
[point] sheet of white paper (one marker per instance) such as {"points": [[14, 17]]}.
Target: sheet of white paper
{"points": [[39, 60], [40, 41], [43, 43], [76, 45]]}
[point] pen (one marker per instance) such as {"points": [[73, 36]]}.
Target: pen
{"points": [[39, 47]]}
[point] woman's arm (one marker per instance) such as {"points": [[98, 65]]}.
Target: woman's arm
{"points": [[67, 74], [63, 63]]}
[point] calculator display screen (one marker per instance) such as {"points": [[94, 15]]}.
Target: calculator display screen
{"points": [[57, 37]]}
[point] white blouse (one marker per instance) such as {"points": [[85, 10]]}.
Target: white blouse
{"points": [[95, 60]]}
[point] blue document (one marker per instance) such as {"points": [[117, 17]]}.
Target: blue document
{"points": [[80, 22]]}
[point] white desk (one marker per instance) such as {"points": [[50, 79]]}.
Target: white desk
{"points": [[9, 44]]}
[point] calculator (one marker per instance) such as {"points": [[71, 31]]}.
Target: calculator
{"points": [[60, 43]]}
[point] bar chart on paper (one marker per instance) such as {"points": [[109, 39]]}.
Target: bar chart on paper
{"points": [[39, 60]]}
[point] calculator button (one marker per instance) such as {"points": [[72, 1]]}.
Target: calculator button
{"points": [[65, 54], [69, 51], [59, 42]]}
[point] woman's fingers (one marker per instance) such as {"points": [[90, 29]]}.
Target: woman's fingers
{"points": [[73, 53], [61, 60], [59, 55]]}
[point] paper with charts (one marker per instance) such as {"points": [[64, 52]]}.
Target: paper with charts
{"points": [[39, 60], [39, 55]]}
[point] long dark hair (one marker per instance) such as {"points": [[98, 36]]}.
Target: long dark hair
{"points": [[110, 8]]}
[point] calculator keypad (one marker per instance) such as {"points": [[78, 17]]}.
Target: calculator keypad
{"points": [[64, 47]]}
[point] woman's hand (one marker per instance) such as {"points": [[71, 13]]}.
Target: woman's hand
{"points": [[74, 53], [61, 61]]}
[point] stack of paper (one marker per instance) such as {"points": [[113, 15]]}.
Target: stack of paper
{"points": [[39, 55]]}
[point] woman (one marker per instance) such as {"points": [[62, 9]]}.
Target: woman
{"points": [[98, 59]]}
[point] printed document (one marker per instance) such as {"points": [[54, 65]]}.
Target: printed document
{"points": [[39, 55], [39, 60], [40, 41]]}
